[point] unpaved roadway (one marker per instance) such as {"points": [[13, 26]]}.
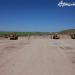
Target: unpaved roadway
{"points": [[37, 57]]}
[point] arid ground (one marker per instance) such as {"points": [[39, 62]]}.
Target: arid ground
{"points": [[37, 56]]}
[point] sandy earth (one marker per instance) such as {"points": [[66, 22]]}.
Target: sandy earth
{"points": [[38, 56]]}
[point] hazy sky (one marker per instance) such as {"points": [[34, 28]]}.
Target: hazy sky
{"points": [[35, 15]]}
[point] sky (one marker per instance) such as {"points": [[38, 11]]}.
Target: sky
{"points": [[35, 16]]}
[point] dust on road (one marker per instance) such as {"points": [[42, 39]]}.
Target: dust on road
{"points": [[37, 57]]}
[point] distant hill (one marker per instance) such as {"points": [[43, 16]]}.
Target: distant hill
{"points": [[68, 31]]}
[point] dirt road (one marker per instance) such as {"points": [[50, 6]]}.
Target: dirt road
{"points": [[37, 57]]}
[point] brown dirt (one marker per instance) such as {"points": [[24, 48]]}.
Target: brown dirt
{"points": [[38, 56]]}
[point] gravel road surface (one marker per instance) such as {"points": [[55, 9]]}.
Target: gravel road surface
{"points": [[37, 57]]}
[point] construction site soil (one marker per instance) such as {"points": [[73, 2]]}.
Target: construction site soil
{"points": [[37, 56]]}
